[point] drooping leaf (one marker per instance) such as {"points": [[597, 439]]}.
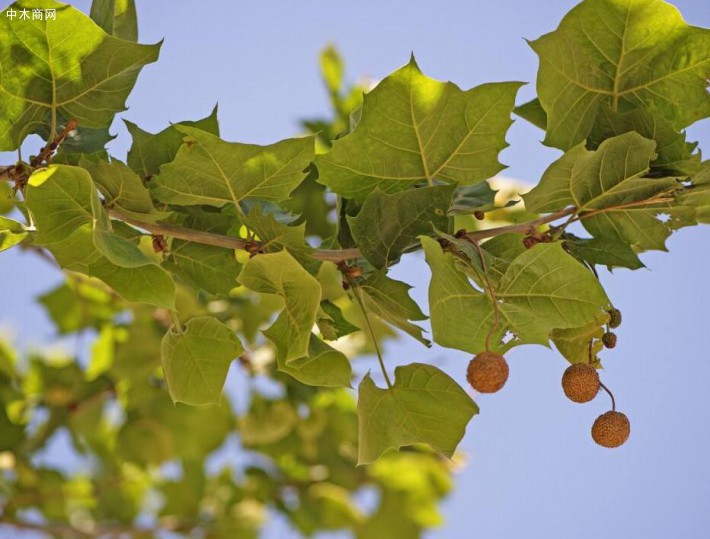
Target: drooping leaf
{"points": [[323, 366], [388, 225], [122, 190], [149, 151], [70, 67], [275, 237], [533, 112], [196, 361], [11, 233], [116, 17], [544, 289], [389, 300], [424, 406], [210, 171], [472, 198], [280, 273], [415, 129], [331, 322], [461, 316], [604, 252], [622, 54]]}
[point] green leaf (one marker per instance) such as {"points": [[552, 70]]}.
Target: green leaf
{"points": [[280, 273], [604, 252], [275, 237], [267, 421], [675, 155], [62, 199], [611, 179], [388, 225], [78, 304], [415, 130], [533, 112], [584, 178], [331, 322], [331, 66], [116, 17], [424, 406], [210, 171], [213, 269], [544, 289], [196, 361], [122, 190], [102, 353], [69, 67], [11, 233], [323, 366], [472, 198], [389, 300], [573, 343], [149, 151], [461, 316], [622, 55]]}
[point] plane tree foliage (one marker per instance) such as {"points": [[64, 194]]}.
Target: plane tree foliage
{"points": [[192, 256]]}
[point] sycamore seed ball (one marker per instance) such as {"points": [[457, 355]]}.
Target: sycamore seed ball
{"points": [[487, 372], [611, 429], [580, 382]]}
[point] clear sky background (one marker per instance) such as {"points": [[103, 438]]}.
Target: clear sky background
{"points": [[533, 470]]}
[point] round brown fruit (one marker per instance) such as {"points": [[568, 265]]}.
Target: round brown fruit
{"points": [[611, 429], [487, 372], [580, 382]]}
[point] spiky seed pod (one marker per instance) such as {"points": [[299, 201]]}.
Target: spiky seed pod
{"points": [[611, 429], [614, 318], [487, 372], [580, 382], [609, 339]]}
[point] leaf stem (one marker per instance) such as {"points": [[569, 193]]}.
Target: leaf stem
{"points": [[356, 292], [176, 322], [491, 294]]}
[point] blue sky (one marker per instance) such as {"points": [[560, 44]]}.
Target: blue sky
{"points": [[532, 470]]}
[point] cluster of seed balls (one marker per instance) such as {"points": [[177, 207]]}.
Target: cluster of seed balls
{"points": [[488, 372]]}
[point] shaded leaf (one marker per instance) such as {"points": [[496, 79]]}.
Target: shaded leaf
{"points": [[331, 322], [604, 252], [324, 366], [389, 300], [122, 189], [533, 112], [116, 17], [149, 151], [388, 225]]}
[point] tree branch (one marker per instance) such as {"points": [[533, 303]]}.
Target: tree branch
{"points": [[330, 255]]}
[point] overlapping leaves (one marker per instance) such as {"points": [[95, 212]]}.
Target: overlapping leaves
{"points": [[68, 67], [621, 55]]}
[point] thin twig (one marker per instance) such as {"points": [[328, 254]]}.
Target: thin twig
{"points": [[491, 294], [356, 292]]}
